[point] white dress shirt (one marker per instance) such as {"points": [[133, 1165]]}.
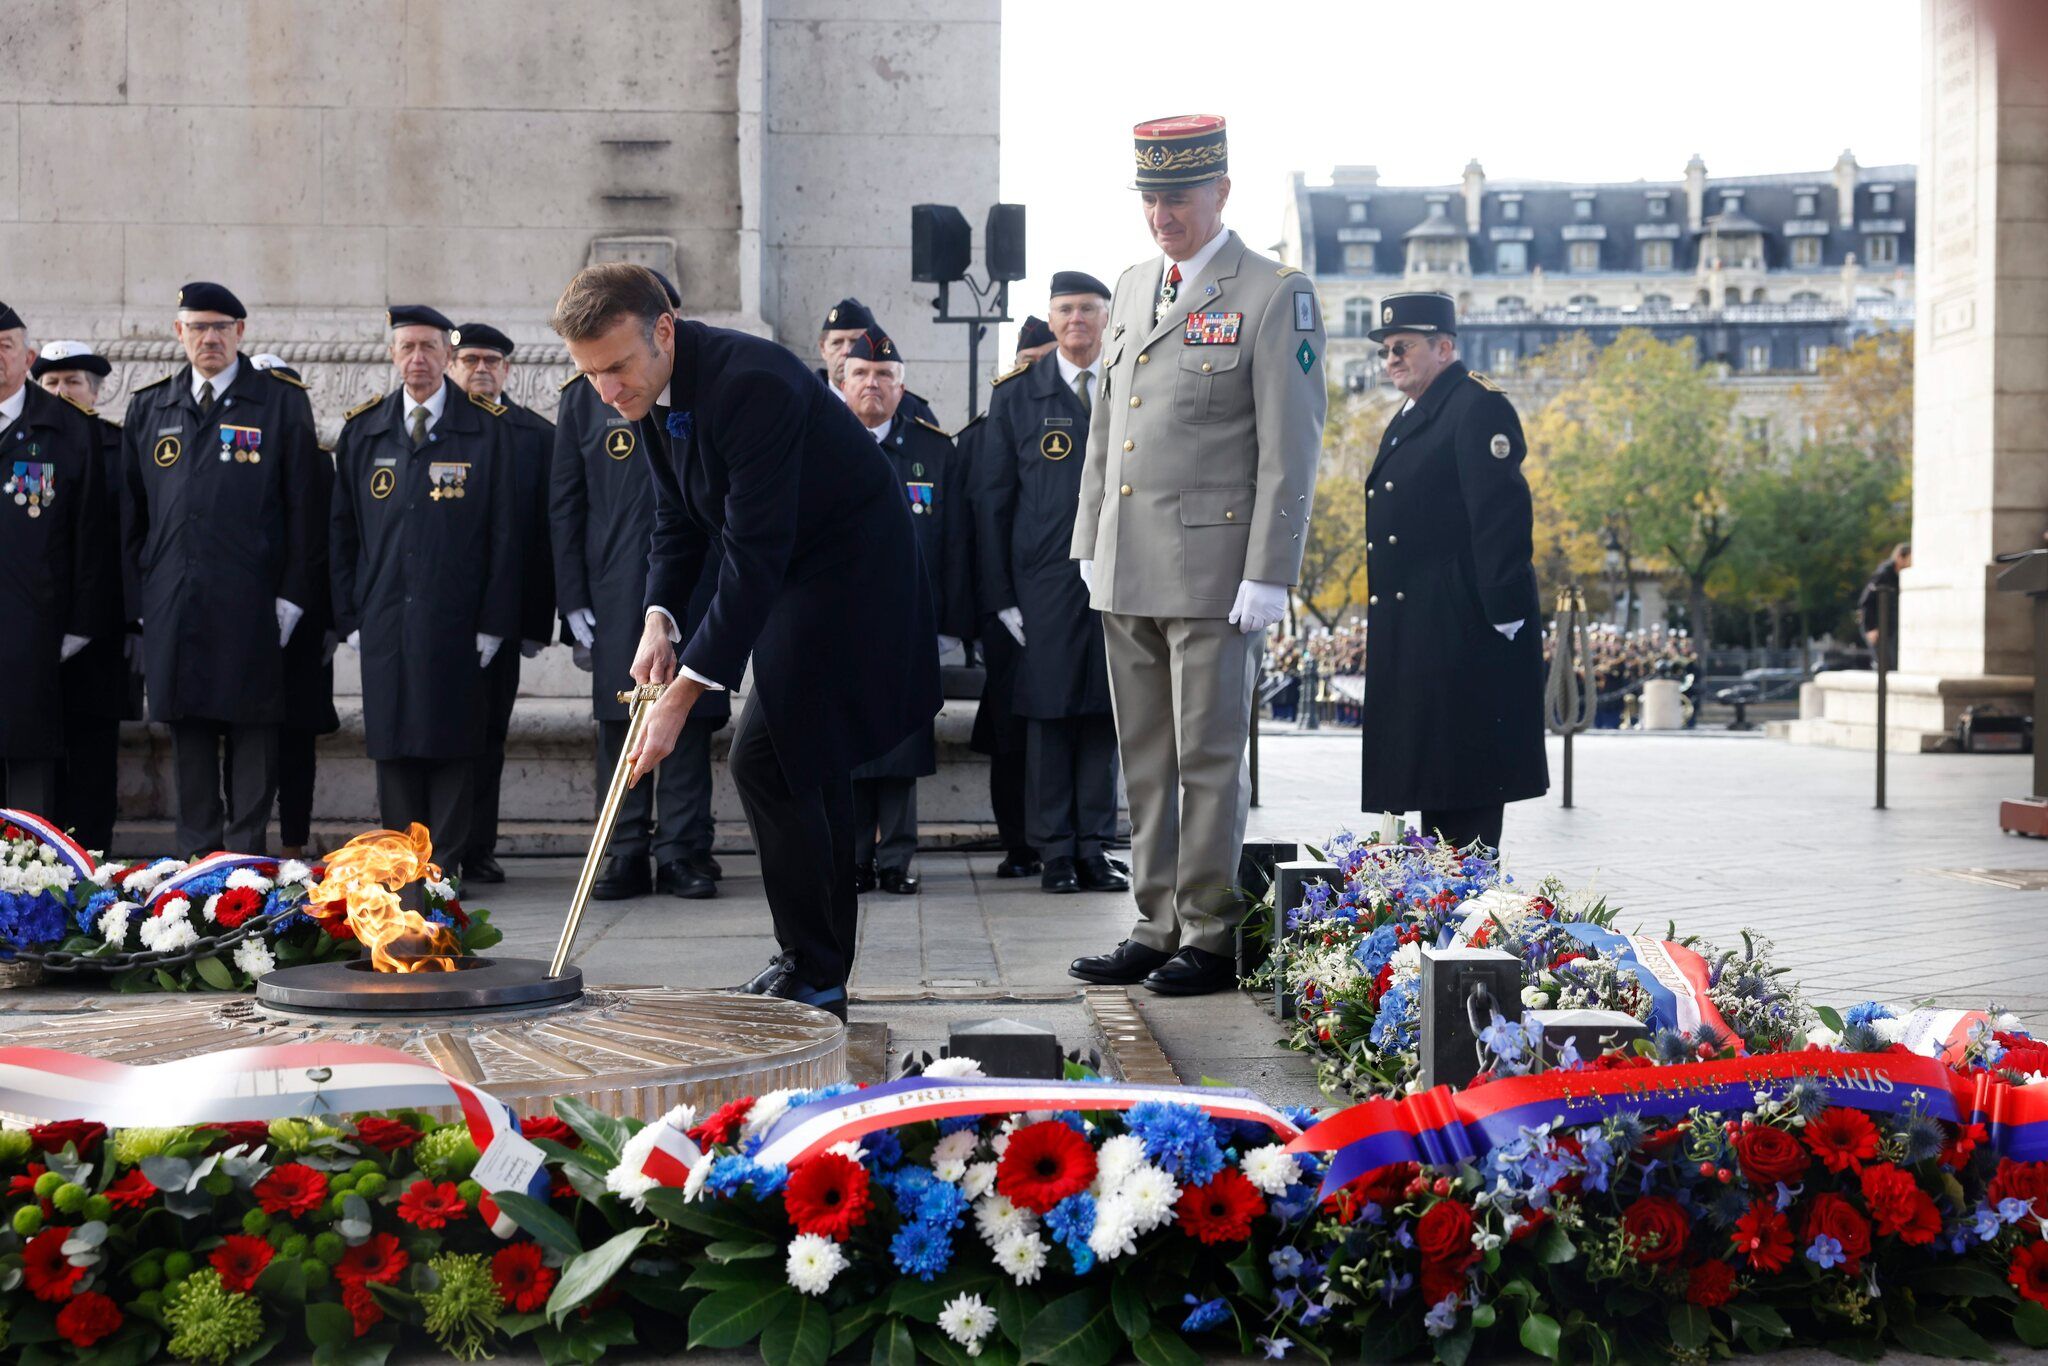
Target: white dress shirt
{"points": [[881, 433], [1069, 371], [1192, 268], [10, 408], [433, 405], [220, 382]]}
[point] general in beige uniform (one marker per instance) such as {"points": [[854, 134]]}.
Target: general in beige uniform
{"points": [[1194, 508]]}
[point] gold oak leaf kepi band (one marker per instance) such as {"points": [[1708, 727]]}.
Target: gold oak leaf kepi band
{"points": [[1185, 149]]}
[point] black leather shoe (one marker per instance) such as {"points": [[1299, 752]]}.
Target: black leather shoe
{"points": [[483, 868], [1123, 965], [763, 983], [1058, 876], [1098, 874], [897, 881], [1193, 972], [831, 1000], [679, 879], [704, 866], [621, 879], [1020, 863], [863, 878]]}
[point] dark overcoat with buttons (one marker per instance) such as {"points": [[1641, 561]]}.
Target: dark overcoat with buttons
{"points": [[533, 452], [1453, 711], [98, 681], [422, 576], [1027, 489], [997, 727], [220, 519], [54, 572]]}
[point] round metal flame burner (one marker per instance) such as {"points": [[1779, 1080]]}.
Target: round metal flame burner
{"points": [[467, 986]]}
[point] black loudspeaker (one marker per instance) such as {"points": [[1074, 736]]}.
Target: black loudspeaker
{"points": [[941, 243], [1002, 243]]}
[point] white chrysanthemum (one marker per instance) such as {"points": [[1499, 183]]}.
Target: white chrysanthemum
{"points": [[36, 877], [253, 957], [700, 1172], [250, 878], [849, 1149], [957, 1146], [293, 871], [1151, 1194], [1271, 1168], [169, 932], [1819, 1035], [113, 926], [103, 873], [813, 1263], [442, 888], [941, 1068], [626, 1180], [143, 881], [1116, 1228], [1891, 1031], [996, 1218], [1023, 1256], [765, 1112], [1000, 1144], [207, 911], [1118, 1158], [979, 1180], [966, 1320], [1532, 996], [1408, 959]]}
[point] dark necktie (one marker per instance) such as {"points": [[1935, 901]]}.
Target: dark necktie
{"points": [[1081, 391], [205, 399]]}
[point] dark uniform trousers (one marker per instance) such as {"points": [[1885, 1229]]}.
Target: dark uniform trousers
{"points": [[297, 766], [501, 691], [817, 916], [223, 802], [1006, 798], [29, 784], [1072, 792], [671, 816], [885, 821], [438, 793], [1459, 826]]}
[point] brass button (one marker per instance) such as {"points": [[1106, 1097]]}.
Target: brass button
{"points": [[1130, 445], [1136, 401], [1205, 367], [1144, 357], [1125, 490], [1229, 516]]}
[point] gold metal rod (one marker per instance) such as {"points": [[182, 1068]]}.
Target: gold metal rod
{"points": [[639, 699]]}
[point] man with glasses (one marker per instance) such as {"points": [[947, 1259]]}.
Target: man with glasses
{"points": [[223, 538], [1453, 714], [1194, 506]]}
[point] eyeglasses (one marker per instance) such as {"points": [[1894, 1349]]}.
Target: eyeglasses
{"points": [[211, 329], [1400, 349]]}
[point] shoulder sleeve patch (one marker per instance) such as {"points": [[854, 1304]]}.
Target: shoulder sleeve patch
{"points": [[363, 407], [1010, 373], [494, 409], [1286, 271], [574, 375], [1486, 382], [160, 379], [934, 427], [89, 412]]}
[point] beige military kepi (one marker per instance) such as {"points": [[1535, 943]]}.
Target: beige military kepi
{"points": [[1200, 473]]}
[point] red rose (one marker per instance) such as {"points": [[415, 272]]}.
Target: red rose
{"points": [[363, 1310], [1383, 1186], [236, 905], [1443, 1234], [1899, 1205], [87, 1319], [2026, 1181], [1044, 1164], [1842, 1138], [132, 1191], [828, 1195], [2029, 1272], [292, 1190], [1832, 1216], [1710, 1284], [1443, 1280], [723, 1126], [81, 1133], [378, 1258], [49, 1273], [550, 1128], [1222, 1210], [426, 1205], [333, 918], [1656, 1229], [1764, 1236], [523, 1281], [240, 1259], [386, 1135], [1768, 1156]]}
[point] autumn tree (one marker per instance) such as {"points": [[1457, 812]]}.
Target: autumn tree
{"points": [[1333, 556]]}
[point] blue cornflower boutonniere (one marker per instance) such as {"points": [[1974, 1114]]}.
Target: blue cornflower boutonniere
{"points": [[681, 424]]}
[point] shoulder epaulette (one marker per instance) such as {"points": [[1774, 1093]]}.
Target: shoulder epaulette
{"points": [[574, 375], [89, 412], [1019, 368], [292, 380], [363, 407], [1485, 382], [494, 409], [934, 427], [160, 379], [1286, 271]]}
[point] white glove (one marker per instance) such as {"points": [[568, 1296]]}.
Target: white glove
{"points": [[951, 651], [71, 646], [583, 625], [288, 614], [1258, 605], [1508, 628], [532, 648], [487, 649], [1012, 619], [1087, 574], [355, 640], [579, 654]]}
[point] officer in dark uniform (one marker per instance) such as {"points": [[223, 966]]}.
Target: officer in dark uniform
{"points": [[885, 789], [601, 511], [101, 687], [221, 529], [60, 587], [1025, 496], [426, 578], [845, 321], [1453, 714], [482, 365]]}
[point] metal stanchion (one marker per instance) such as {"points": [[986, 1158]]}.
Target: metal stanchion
{"points": [[639, 699], [1569, 695], [1309, 719], [1886, 597], [1252, 740]]}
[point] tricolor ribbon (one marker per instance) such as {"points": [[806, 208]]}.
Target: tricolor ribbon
{"points": [[1442, 1127], [1676, 978], [212, 863], [69, 850]]}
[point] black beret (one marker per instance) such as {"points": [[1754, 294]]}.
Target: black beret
{"points": [[675, 300], [481, 334], [1034, 332], [1426, 313], [849, 312], [204, 296], [417, 315], [873, 344], [1077, 282], [9, 319], [67, 355]]}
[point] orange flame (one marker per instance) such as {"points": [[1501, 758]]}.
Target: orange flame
{"points": [[362, 882]]}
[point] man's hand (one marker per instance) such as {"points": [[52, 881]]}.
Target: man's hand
{"points": [[583, 625], [579, 654], [1258, 605], [665, 720], [655, 660], [355, 640], [1012, 619], [531, 649]]}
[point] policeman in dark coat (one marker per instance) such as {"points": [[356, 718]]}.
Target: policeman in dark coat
{"points": [[1453, 714], [56, 578], [101, 686], [601, 511], [221, 535], [426, 578], [820, 582], [1026, 494], [885, 789], [481, 367]]}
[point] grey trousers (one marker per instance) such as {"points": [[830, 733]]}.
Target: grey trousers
{"points": [[1070, 785], [438, 793], [224, 801], [1182, 690], [884, 821]]}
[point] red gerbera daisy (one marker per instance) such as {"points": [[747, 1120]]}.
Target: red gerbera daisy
{"points": [[132, 1191], [363, 1310], [378, 1258], [1764, 1236], [1842, 1138], [246, 1133], [1221, 1211], [550, 1128], [25, 1184], [1899, 1205], [292, 1190], [523, 1281], [49, 1273], [240, 1259], [827, 1195], [1955, 1153], [1710, 1284], [82, 1133], [236, 905], [386, 1135], [427, 1205], [87, 1319], [724, 1124], [1044, 1164], [2029, 1273]]}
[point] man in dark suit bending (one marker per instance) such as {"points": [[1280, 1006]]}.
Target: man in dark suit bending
{"points": [[819, 581]]}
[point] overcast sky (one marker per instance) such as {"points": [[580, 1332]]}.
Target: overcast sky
{"points": [[1564, 90]]}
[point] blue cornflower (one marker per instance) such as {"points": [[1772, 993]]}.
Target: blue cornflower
{"points": [[729, 1173], [1205, 1315], [1071, 1221], [921, 1197], [27, 920], [885, 1150], [1178, 1139], [921, 1250], [1825, 1253], [95, 907], [953, 1124], [681, 422], [1867, 1013], [1442, 1316], [1286, 1263]]}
